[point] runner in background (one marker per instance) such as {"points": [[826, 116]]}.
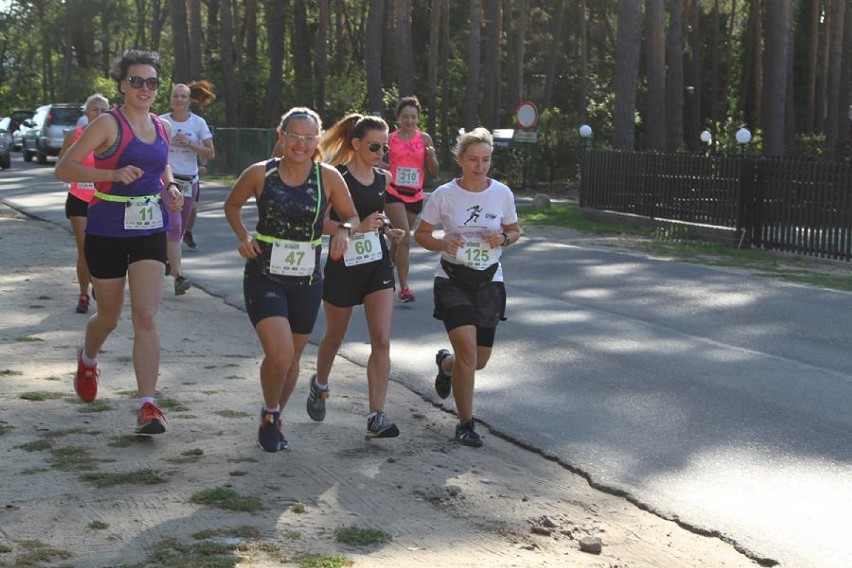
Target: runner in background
{"points": [[79, 196], [411, 154], [201, 94], [191, 141], [355, 145]]}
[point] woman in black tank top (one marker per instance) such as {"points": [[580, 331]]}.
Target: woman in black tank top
{"points": [[365, 274], [282, 284]]}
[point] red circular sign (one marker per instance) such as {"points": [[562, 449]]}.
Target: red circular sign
{"points": [[526, 114]]}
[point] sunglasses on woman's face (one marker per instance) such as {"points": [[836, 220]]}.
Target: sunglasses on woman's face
{"points": [[153, 83], [375, 147]]}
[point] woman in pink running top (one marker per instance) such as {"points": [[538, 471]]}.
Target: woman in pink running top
{"points": [[79, 196], [127, 224], [411, 153]]}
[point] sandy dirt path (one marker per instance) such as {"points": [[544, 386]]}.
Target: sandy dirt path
{"points": [[78, 489]]}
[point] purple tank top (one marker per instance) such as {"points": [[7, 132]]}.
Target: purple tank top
{"points": [[106, 218]]}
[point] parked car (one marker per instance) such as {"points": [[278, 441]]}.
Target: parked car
{"points": [[5, 146], [47, 130], [16, 127]]}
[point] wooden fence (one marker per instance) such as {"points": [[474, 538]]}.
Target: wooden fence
{"points": [[797, 205]]}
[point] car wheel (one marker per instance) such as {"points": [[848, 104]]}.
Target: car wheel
{"points": [[42, 156], [6, 162], [27, 156]]}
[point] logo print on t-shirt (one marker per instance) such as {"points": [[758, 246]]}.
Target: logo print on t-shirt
{"points": [[474, 214]]}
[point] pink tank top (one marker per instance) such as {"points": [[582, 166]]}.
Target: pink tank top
{"points": [[83, 190], [406, 159]]}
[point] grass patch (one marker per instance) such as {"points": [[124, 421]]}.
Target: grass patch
{"points": [[5, 428], [36, 553], [241, 460], [245, 531], [237, 473], [172, 553], [72, 458], [91, 407], [231, 413], [36, 446], [167, 403], [317, 561], [189, 456], [360, 537], [139, 477], [571, 217], [41, 395], [53, 378], [209, 391], [228, 499], [69, 432], [298, 508], [4, 549], [98, 525], [28, 339], [10, 373], [127, 440], [234, 378]]}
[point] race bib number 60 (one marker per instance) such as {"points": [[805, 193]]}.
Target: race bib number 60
{"points": [[292, 258], [363, 248]]}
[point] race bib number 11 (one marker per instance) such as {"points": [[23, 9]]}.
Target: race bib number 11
{"points": [[145, 214]]}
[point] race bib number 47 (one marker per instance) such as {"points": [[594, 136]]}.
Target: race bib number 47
{"points": [[292, 258]]}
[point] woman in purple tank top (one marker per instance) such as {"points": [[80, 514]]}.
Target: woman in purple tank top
{"points": [[127, 224]]}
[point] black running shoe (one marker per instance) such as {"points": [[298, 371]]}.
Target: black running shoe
{"points": [[379, 426], [467, 436], [443, 380], [189, 241], [270, 438], [182, 284]]}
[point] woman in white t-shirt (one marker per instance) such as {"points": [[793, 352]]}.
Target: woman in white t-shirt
{"points": [[479, 220], [191, 141]]}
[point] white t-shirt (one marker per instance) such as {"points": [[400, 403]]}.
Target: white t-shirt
{"points": [[470, 214], [184, 161]]}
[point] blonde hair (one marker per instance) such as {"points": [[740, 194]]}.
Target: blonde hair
{"points": [[96, 98], [336, 144], [475, 136], [300, 112]]}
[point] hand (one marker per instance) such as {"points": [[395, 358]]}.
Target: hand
{"points": [[176, 201], [372, 222], [396, 235], [181, 139], [494, 240], [338, 244], [452, 243], [249, 248], [126, 175]]}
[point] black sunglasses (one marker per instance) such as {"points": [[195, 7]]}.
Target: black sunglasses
{"points": [[375, 147], [153, 83]]}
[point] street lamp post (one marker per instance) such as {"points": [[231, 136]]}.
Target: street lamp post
{"points": [[707, 138], [586, 134]]}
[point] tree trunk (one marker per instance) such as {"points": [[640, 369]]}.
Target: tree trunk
{"points": [[491, 76], [774, 104], [584, 61], [629, 37], [845, 74], [403, 52], [276, 20], [180, 41], [446, 53], [375, 25], [813, 65], [322, 53], [655, 70], [226, 36], [340, 38], [196, 40], [674, 80], [696, 79], [301, 43], [555, 53], [434, 44], [835, 58], [474, 52], [516, 77], [251, 30]]}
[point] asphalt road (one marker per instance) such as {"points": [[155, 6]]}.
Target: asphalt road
{"points": [[715, 398]]}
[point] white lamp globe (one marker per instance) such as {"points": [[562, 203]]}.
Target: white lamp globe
{"points": [[586, 131], [706, 137], [743, 136]]}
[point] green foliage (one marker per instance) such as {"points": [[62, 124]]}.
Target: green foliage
{"points": [[229, 499], [361, 537], [558, 145]]}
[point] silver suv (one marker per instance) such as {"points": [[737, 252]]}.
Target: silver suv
{"points": [[47, 130]]}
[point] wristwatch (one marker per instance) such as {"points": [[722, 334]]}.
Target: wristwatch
{"points": [[347, 226], [174, 183], [506, 241]]}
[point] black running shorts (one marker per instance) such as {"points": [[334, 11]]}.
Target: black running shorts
{"points": [[297, 302], [457, 306], [109, 257], [413, 208], [75, 207], [345, 286]]}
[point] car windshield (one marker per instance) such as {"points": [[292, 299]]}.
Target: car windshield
{"points": [[65, 116]]}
